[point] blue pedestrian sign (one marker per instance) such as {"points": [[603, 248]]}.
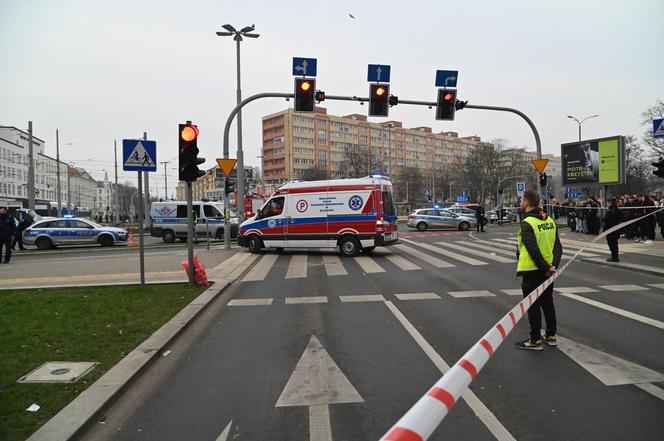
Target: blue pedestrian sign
{"points": [[305, 67], [520, 188], [379, 73], [658, 128], [139, 155], [446, 78]]}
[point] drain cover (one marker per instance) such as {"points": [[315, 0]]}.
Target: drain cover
{"points": [[58, 372]]}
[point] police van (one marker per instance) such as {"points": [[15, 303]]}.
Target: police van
{"points": [[351, 214], [169, 220]]}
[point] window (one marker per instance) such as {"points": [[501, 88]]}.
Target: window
{"points": [[388, 203], [274, 207], [80, 224], [182, 211], [211, 211]]}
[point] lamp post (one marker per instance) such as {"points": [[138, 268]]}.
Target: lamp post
{"points": [[581, 122], [237, 36]]}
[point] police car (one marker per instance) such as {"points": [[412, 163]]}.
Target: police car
{"points": [[427, 218], [48, 233]]}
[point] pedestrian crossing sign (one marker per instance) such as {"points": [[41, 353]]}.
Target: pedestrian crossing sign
{"points": [[658, 128], [139, 155]]}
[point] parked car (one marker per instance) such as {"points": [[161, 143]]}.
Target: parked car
{"points": [[507, 215], [50, 232], [429, 218]]}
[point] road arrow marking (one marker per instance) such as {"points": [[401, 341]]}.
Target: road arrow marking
{"points": [[317, 382], [226, 432], [609, 369]]}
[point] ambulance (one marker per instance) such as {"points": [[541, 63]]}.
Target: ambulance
{"points": [[352, 214]]}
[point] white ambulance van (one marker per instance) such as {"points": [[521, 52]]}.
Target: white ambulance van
{"points": [[351, 214]]}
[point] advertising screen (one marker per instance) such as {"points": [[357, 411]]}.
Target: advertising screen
{"points": [[599, 161]]}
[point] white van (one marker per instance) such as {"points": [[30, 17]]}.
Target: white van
{"points": [[169, 220]]}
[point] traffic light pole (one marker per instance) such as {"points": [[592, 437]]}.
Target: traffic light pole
{"points": [[429, 104], [190, 233]]}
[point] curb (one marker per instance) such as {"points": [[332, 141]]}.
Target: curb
{"points": [[75, 417]]}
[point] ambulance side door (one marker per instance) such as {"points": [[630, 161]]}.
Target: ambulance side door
{"points": [[307, 220], [273, 222]]}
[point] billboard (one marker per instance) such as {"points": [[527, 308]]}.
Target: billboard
{"points": [[596, 161]]}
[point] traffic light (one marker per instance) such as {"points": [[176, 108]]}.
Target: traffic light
{"points": [[446, 104], [229, 186], [660, 168], [189, 160], [379, 99], [542, 179], [305, 94]]}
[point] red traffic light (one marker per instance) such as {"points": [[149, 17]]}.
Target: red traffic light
{"points": [[448, 96], [189, 133]]}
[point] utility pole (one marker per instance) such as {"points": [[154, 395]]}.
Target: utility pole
{"points": [[57, 162], [68, 189], [147, 193], [165, 164], [31, 170], [116, 195]]}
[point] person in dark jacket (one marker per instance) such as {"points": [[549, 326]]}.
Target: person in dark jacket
{"points": [[479, 215], [20, 228], [7, 231], [539, 252], [613, 217]]}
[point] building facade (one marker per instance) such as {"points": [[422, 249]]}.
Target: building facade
{"points": [[299, 146], [82, 191]]}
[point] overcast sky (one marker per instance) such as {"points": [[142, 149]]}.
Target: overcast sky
{"points": [[105, 70]]}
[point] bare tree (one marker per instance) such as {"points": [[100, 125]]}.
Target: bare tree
{"points": [[638, 175], [315, 173]]}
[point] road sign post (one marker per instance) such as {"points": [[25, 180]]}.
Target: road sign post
{"points": [[227, 165]]}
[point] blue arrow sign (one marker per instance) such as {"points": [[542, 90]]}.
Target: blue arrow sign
{"points": [[139, 155], [446, 78], [658, 128], [380, 73], [305, 67]]}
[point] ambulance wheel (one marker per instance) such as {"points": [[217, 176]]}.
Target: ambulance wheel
{"points": [[349, 246], [368, 250], [255, 244], [422, 226], [464, 226], [168, 236]]}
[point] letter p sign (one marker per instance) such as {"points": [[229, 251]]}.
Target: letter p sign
{"points": [[302, 205]]}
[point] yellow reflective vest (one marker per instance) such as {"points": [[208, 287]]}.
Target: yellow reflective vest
{"points": [[545, 233]]}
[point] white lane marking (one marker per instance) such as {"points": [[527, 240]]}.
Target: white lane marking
{"points": [[299, 300], [487, 247], [567, 251], [652, 389], [483, 413], [226, 432], [578, 244], [624, 288], [618, 311], [486, 255], [450, 254], [250, 302], [418, 296], [465, 294], [333, 266], [652, 269], [362, 298], [438, 263], [574, 289], [260, 270], [512, 292], [657, 285], [317, 382], [402, 263], [368, 265], [607, 368], [297, 268]]}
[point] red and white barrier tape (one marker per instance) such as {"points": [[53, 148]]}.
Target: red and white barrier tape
{"points": [[428, 412]]}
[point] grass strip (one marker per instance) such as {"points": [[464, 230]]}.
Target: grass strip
{"points": [[99, 324]]}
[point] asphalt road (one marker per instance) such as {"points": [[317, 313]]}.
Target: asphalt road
{"points": [[375, 333]]}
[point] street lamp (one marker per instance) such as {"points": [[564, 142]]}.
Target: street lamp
{"points": [[581, 122], [237, 36]]}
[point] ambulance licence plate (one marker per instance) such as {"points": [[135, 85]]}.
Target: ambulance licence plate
{"points": [[390, 236]]}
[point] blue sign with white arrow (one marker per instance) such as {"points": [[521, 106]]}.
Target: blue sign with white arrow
{"points": [[139, 155], [658, 128], [305, 67], [380, 73], [446, 78]]}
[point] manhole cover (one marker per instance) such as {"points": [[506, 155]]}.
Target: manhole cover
{"points": [[59, 372]]}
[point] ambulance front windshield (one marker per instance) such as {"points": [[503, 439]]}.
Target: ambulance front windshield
{"points": [[388, 204]]}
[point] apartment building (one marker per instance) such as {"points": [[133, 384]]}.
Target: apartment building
{"points": [[299, 146]]}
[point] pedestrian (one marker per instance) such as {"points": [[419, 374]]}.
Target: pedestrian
{"points": [[7, 231], [660, 217], [612, 218], [20, 228], [538, 251], [479, 215]]}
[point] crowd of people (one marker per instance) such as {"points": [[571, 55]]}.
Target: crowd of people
{"points": [[586, 216]]}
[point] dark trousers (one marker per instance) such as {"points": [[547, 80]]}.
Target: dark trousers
{"points": [[530, 281], [612, 241], [7, 243], [480, 224], [18, 239]]}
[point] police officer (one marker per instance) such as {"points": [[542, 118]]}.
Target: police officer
{"points": [[7, 231], [479, 215], [539, 252], [612, 218]]}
